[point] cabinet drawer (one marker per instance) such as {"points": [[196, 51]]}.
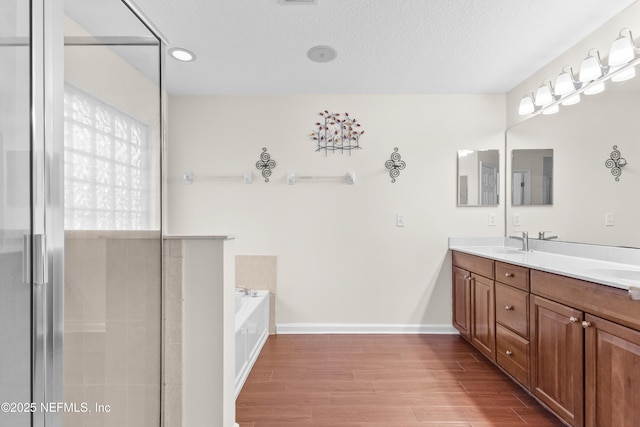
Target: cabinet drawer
{"points": [[512, 353], [512, 309], [513, 275], [604, 301], [475, 264]]}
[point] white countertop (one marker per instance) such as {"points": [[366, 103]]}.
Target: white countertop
{"points": [[597, 264]]}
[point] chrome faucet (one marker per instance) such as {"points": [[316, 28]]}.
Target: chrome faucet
{"points": [[524, 239], [243, 290], [542, 236]]}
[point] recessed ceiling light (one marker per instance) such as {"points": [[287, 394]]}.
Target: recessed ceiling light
{"points": [[182, 54], [322, 54]]}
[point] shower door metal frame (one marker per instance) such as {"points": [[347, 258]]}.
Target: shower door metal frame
{"points": [[47, 223]]}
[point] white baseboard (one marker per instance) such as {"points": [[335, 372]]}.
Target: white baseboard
{"points": [[362, 328]]}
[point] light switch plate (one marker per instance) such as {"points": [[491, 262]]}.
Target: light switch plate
{"points": [[399, 220], [609, 219]]}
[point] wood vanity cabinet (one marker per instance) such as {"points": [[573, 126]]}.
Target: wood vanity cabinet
{"points": [[474, 302], [575, 345]]}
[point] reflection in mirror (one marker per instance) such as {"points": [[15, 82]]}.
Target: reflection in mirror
{"points": [[589, 205], [478, 177], [584, 192], [532, 177]]}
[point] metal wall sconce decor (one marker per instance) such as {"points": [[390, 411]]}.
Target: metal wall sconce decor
{"points": [[265, 164], [337, 133], [615, 163], [395, 165]]}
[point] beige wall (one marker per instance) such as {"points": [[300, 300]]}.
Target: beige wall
{"points": [[341, 259]]}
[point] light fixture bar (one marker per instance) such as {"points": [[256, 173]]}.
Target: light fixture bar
{"points": [[586, 86], [591, 78]]}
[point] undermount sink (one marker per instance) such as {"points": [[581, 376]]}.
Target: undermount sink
{"points": [[506, 251], [618, 273]]}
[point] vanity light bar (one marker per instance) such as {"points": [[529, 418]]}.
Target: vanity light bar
{"points": [[592, 77]]}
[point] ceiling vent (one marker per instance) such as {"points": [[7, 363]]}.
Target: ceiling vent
{"points": [[298, 2]]}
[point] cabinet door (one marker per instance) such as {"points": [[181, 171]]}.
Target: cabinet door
{"points": [[483, 315], [612, 383], [557, 367], [462, 301]]}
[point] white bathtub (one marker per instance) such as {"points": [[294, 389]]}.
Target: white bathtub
{"points": [[252, 330]]}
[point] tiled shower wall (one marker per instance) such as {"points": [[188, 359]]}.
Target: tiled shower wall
{"points": [[172, 319], [112, 324]]}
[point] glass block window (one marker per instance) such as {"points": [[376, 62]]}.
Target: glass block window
{"points": [[107, 166]]}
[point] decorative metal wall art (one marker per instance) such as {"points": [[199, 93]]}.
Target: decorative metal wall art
{"points": [[265, 164], [395, 165], [615, 163], [337, 133]]}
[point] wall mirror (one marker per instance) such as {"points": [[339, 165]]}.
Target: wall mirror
{"points": [[532, 177], [584, 192], [478, 178]]}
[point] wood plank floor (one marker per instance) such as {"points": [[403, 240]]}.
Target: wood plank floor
{"points": [[381, 381]]}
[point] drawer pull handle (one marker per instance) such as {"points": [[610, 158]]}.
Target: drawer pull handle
{"points": [[509, 352], [509, 275], [573, 319], [586, 324], [508, 307]]}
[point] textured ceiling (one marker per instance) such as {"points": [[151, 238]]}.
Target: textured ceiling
{"points": [[384, 46]]}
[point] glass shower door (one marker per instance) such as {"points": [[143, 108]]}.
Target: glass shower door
{"points": [[30, 270], [15, 215]]}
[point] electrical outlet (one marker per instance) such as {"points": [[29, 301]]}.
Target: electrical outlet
{"points": [[399, 220], [609, 219], [516, 219], [492, 220]]}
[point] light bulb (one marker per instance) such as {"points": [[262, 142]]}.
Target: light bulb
{"points": [[591, 68], [526, 106], [622, 49], [565, 82], [543, 95]]}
